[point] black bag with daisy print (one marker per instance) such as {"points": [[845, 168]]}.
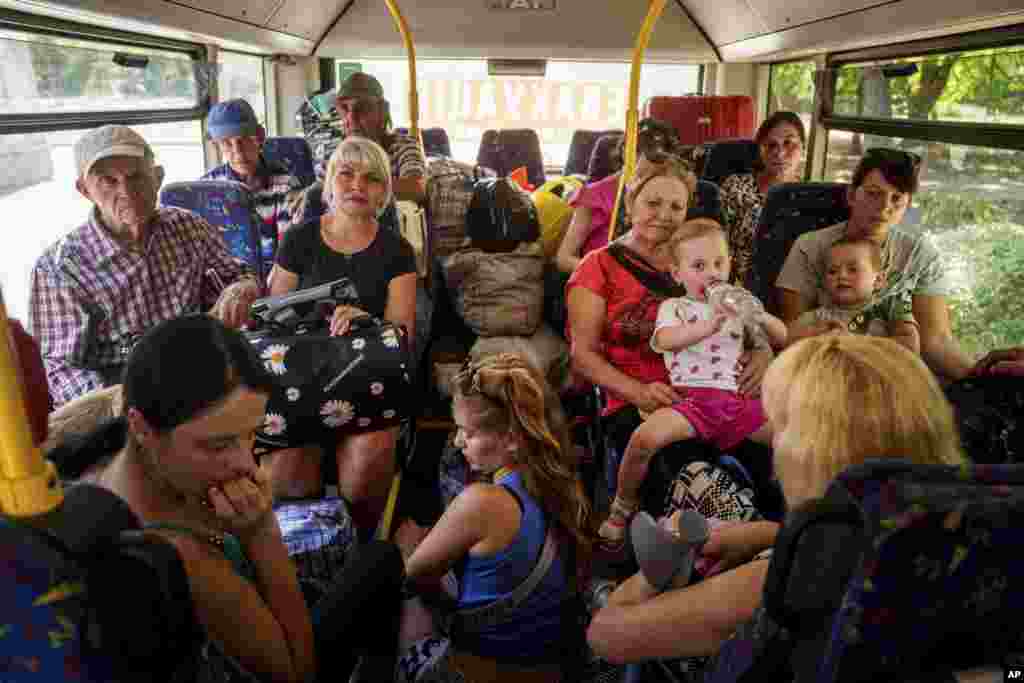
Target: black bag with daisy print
{"points": [[331, 386]]}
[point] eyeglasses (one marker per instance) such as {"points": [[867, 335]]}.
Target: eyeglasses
{"points": [[896, 156]]}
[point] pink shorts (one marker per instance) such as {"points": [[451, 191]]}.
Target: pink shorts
{"points": [[720, 417]]}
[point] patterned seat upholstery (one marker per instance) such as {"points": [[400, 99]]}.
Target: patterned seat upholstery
{"points": [[293, 154], [226, 205], [41, 638], [726, 157], [580, 149], [436, 143], [507, 150], [923, 578], [600, 166], [790, 210], [706, 202], [990, 416]]}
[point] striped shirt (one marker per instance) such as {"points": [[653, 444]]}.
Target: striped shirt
{"points": [[92, 297], [271, 202], [407, 160]]}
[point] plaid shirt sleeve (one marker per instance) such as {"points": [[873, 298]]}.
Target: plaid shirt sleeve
{"points": [[60, 323], [220, 268]]}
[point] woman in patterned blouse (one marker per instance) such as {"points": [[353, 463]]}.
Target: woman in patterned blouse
{"points": [[780, 141]]}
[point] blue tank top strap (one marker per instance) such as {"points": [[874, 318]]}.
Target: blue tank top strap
{"points": [[227, 543]]}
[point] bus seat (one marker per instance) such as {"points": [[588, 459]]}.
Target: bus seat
{"points": [[990, 416], [726, 157], [599, 165], [436, 143], [294, 154], [706, 202], [227, 205], [923, 579], [507, 150], [488, 154], [580, 149], [790, 210]]}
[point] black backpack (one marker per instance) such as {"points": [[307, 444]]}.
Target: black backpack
{"points": [[501, 216]]}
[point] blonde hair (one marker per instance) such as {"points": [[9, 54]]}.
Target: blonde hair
{"points": [[691, 230], [845, 399], [364, 153], [506, 392]]}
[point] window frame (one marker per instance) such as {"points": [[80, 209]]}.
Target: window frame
{"points": [[1000, 135], [15, 124]]}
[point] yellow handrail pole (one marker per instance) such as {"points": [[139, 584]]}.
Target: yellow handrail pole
{"points": [[632, 110], [28, 484], [384, 530], [410, 49]]}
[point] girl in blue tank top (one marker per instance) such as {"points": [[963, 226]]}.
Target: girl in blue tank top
{"points": [[510, 429]]}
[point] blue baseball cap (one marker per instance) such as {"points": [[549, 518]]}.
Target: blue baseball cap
{"points": [[234, 118]]}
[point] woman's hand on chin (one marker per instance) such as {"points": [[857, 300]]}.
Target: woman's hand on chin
{"points": [[243, 506]]}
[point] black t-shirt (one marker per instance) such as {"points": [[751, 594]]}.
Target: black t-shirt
{"points": [[304, 253]]}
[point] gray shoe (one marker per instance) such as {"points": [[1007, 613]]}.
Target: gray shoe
{"points": [[664, 557]]}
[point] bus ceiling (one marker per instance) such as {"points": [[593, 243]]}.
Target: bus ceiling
{"points": [[689, 31]]}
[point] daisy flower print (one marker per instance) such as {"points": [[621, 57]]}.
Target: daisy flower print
{"points": [[337, 413], [274, 424], [389, 337], [273, 358]]}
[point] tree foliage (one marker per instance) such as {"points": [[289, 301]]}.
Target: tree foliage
{"points": [[68, 71]]}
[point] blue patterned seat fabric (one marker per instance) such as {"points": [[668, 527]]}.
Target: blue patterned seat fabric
{"points": [[293, 154], [728, 157], [507, 150], [226, 205], [936, 581], [436, 143], [580, 149], [706, 202], [790, 210], [941, 585], [599, 165], [39, 638], [990, 415]]}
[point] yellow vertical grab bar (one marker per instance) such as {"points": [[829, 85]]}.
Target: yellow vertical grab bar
{"points": [[384, 530], [410, 49], [632, 110], [28, 483]]}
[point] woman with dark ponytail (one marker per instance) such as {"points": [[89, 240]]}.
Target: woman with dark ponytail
{"points": [[512, 432]]}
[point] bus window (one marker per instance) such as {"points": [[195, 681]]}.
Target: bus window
{"points": [[241, 75], [971, 205], [962, 112], [56, 75], [459, 96], [791, 88], [978, 86]]}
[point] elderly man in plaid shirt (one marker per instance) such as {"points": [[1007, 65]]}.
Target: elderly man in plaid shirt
{"points": [[129, 267]]}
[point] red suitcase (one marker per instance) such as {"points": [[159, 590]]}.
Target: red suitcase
{"points": [[701, 119]]}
